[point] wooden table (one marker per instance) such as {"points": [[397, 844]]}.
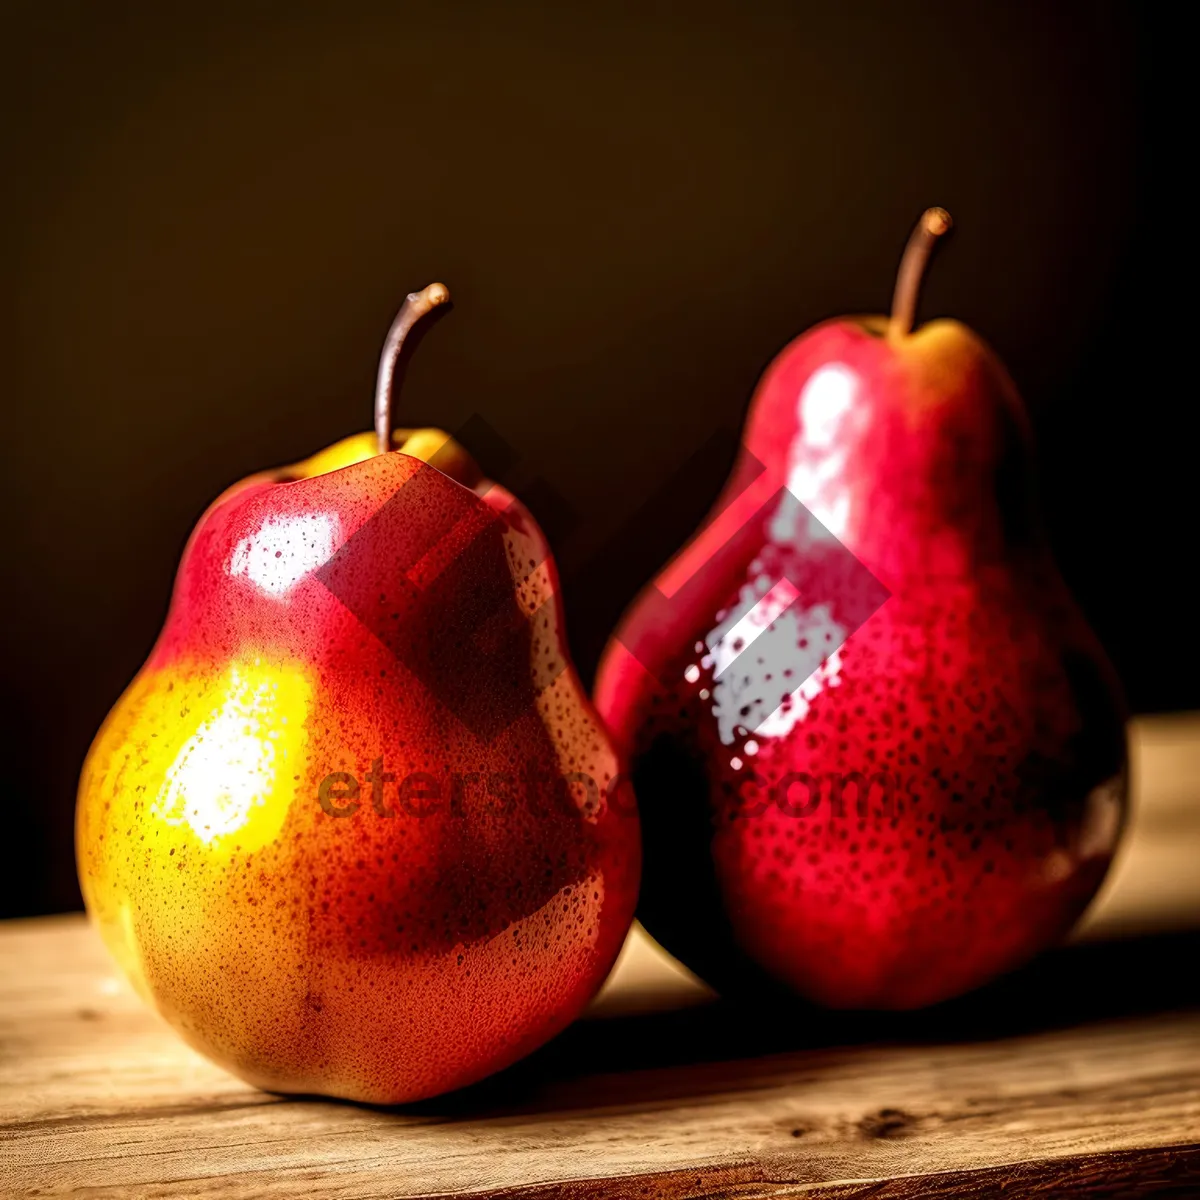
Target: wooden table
{"points": [[1079, 1076]]}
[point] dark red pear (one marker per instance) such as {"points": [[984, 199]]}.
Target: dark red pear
{"points": [[879, 755]]}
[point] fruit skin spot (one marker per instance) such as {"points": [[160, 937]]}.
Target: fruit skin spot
{"points": [[376, 957]]}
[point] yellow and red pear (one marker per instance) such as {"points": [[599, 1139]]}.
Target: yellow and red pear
{"points": [[350, 828]]}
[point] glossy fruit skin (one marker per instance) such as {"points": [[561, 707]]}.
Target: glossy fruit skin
{"points": [[971, 703], [374, 946]]}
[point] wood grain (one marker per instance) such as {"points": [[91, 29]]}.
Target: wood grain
{"points": [[1077, 1076]]}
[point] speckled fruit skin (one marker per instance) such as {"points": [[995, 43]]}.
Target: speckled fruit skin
{"points": [[382, 955], [973, 702]]}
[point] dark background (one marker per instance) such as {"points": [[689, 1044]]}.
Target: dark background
{"points": [[210, 215]]}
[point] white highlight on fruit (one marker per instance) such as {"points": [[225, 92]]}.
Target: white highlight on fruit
{"points": [[771, 656], [748, 628], [692, 673], [790, 713], [824, 401], [816, 460], [756, 697], [1102, 819], [229, 767], [1097, 835], [284, 550]]}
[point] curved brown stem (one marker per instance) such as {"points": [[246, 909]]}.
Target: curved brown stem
{"points": [[415, 306], [933, 224]]}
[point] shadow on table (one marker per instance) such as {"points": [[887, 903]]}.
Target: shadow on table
{"points": [[739, 1044]]}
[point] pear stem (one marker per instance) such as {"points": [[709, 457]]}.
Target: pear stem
{"points": [[415, 306], [933, 224]]}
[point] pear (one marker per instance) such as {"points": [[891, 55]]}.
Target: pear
{"points": [[351, 830], [879, 755]]}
